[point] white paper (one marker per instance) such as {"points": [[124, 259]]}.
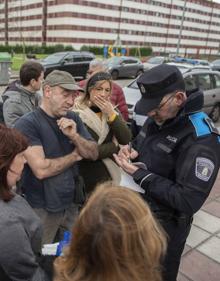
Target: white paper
{"points": [[128, 182], [49, 249]]}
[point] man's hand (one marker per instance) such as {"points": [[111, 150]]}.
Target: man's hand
{"points": [[126, 153], [125, 165], [78, 157], [68, 127]]}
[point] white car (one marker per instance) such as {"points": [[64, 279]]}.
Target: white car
{"points": [[183, 67], [154, 61], [206, 80]]}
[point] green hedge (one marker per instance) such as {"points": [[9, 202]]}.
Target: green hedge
{"points": [[94, 49], [35, 49], [97, 50], [144, 51]]}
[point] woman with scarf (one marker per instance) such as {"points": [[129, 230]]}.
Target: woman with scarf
{"points": [[105, 125]]}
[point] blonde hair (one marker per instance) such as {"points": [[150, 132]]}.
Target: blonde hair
{"points": [[115, 238]]}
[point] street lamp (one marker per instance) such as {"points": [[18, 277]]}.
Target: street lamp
{"points": [[181, 28], [118, 39]]}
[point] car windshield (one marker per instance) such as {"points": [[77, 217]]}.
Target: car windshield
{"points": [[203, 62], [156, 60], [114, 60], [216, 62], [55, 58]]}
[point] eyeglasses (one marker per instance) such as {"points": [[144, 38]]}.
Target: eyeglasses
{"points": [[160, 106]]}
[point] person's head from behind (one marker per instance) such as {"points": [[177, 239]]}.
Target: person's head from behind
{"points": [[114, 238], [163, 93], [59, 87], [31, 75], [98, 87], [96, 65], [12, 147]]}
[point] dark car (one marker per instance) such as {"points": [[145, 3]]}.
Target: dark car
{"points": [[124, 67], [206, 80], [215, 65], [76, 63]]}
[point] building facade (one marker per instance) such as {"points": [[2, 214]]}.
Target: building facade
{"points": [[189, 26]]}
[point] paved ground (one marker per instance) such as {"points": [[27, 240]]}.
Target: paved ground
{"points": [[201, 257]]}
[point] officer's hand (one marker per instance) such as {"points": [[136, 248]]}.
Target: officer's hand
{"points": [[125, 164], [126, 153], [67, 126]]}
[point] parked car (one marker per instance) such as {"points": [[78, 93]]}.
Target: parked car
{"points": [[215, 65], [154, 61], [124, 67], [76, 63], [203, 62], [183, 67], [207, 80]]}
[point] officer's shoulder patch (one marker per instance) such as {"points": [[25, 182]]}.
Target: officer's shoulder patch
{"points": [[204, 168], [199, 124]]}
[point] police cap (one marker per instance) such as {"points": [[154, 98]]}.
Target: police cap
{"points": [[155, 83]]}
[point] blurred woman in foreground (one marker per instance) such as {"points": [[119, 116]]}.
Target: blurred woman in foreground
{"points": [[20, 229], [115, 238]]}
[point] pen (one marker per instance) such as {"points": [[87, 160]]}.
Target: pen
{"points": [[129, 149]]}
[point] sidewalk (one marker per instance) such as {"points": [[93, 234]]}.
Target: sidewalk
{"points": [[201, 257]]}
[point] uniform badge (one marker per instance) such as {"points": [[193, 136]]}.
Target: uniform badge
{"points": [[204, 168], [143, 90]]}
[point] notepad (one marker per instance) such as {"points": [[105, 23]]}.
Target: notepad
{"points": [[49, 249], [128, 182]]}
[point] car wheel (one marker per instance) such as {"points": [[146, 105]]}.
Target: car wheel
{"points": [[215, 113], [114, 74], [139, 73]]}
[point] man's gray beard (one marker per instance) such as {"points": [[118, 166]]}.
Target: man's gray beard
{"points": [[159, 123]]}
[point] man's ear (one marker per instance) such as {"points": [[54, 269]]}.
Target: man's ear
{"points": [[180, 98], [47, 91], [32, 82]]}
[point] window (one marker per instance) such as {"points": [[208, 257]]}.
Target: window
{"points": [[126, 61], [204, 82], [217, 81], [77, 59], [133, 61], [190, 83], [87, 58], [68, 59]]}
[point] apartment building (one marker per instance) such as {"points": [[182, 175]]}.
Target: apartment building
{"points": [[192, 26]]}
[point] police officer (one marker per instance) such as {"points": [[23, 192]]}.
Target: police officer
{"points": [[180, 148]]}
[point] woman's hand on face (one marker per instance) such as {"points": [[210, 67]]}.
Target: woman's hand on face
{"points": [[105, 105]]}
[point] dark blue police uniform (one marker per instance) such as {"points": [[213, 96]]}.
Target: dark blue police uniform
{"points": [[182, 158]]}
